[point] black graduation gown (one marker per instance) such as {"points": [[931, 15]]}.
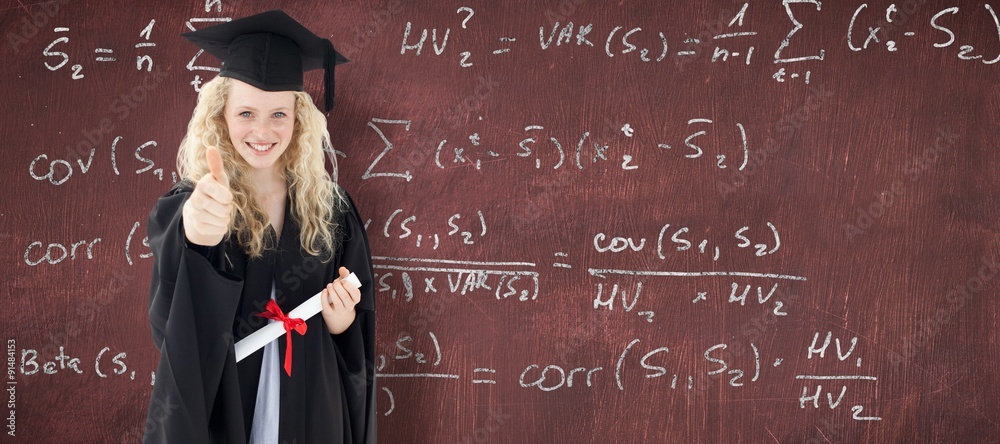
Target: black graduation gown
{"points": [[201, 302]]}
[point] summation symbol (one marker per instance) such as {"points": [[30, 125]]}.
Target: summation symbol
{"points": [[196, 83], [368, 174]]}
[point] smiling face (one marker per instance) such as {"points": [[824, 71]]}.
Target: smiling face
{"points": [[260, 123]]}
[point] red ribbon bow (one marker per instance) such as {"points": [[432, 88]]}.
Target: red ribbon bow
{"points": [[273, 311]]}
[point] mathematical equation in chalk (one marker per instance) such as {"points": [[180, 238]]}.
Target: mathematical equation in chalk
{"points": [[672, 239], [723, 42], [106, 364], [403, 278], [38, 253], [553, 150], [820, 350], [58, 171], [886, 33], [55, 59], [466, 228], [737, 365], [420, 351], [607, 296]]}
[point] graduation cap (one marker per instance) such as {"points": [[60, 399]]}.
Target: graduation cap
{"points": [[269, 51]]}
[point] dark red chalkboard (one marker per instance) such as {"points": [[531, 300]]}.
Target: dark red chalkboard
{"points": [[592, 221]]}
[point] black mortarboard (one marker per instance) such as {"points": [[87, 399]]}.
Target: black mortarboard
{"points": [[269, 51]]}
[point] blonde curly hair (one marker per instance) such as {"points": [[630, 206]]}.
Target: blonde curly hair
{"points": [[314, 196]]}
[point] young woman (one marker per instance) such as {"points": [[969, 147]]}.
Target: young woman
{"points": [[256, 228]]}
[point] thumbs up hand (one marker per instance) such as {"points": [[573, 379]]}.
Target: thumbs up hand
{"points": [[206, 214], [214, 160]]}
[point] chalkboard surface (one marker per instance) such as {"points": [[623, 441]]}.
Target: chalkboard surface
{"points": [[699, 221]]}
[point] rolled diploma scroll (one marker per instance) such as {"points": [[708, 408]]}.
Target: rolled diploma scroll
{"points": [[274, 330]]}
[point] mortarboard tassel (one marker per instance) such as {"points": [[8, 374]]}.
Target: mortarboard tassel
{"points": [[329, 61]]}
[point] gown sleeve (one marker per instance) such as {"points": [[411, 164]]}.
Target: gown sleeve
{"points": [[356, 345], [191, 304]]}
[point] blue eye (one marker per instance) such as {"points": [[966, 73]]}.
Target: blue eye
{"points": [[246, 114], [279, 114]]}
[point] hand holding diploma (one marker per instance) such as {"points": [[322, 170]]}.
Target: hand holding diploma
{"points": [[339, 298], [347, 293]]}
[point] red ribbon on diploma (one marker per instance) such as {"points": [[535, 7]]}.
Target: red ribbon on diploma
{"points": [[273, 311]]}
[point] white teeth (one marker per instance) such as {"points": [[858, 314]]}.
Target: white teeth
{"points": [[260, 147]]}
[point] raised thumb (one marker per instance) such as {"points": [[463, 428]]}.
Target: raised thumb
{"points": [[214, 160]]}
